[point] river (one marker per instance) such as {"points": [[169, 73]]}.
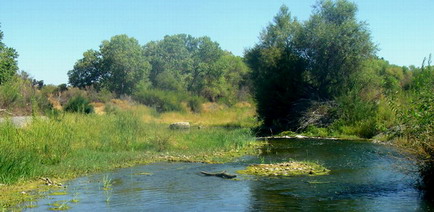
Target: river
{"points": [[364, 177]]}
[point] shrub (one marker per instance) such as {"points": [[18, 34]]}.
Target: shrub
{"points": [[195, 104], [78, 104], [162, 101], [165, 101], [19, 97], [103, 95]]}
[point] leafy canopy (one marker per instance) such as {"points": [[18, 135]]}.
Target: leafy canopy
{"points": [[316, 59], [8, 62]]}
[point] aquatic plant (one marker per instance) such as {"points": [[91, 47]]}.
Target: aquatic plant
{"points": [[106, 183], [60, 206], [291, 168]]}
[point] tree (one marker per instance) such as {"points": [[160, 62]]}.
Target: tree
{"points": [[196, 65], [171, 60], [123, 64], [335, 45], [87, 71], [315, 60], [277, 71], [205, 71], [119, 66], [8, 62]]}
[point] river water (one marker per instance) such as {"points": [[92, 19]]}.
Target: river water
{"points": [[364, 177]]}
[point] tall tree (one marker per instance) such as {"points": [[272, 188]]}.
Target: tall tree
{"points": [[8, 61], [205, 54], [335, 45], [124, 65], [277, 70], [171, 60], [196, 65], [87, 71], [317, 59]]}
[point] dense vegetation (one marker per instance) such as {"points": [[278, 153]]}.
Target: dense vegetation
{"points": [[8, 62], [179, 65], [316, 60]]}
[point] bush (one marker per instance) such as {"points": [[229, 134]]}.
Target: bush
{"points": [[195, 104], [78, 104], [19, 97], [103, 95], [162, 101], [165, 101]]}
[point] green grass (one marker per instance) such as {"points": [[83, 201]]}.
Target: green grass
{"points": [[77, 144]]}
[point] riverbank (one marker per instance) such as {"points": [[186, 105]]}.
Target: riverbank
{"points": [[69, 145]]}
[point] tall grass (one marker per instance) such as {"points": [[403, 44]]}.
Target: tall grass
{"points": [[72, 144]]}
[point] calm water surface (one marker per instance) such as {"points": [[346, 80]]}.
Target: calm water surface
{"points": [[364, 177]]}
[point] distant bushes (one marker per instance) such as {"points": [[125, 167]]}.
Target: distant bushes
{"points": [[78, 104], [164, 101], [20, 97]]}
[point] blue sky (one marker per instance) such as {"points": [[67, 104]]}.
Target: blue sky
{"points": [[51, 35]]}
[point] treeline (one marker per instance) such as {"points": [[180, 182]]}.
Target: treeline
{"points": [[179, 68]]}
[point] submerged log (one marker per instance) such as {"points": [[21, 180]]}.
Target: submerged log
{"points": [[219, 174]]}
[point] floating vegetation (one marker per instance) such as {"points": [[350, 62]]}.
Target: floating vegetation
{"points": [[318, 182], [60, 206], [143, 173], [59, 193], [75, 200], [292, 168]]}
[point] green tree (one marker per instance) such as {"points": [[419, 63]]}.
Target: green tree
{"points": [[296, 63], [277, 71], [196, 65], [171, 60], [123, 65], [335, 45], [87, 71], [205, 54], [8, 62]]}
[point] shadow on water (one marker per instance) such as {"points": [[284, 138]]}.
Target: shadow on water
{"points": [[364, 177]]}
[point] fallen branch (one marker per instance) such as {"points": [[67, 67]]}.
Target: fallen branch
{"points": [[5, 111], [219, 174]]}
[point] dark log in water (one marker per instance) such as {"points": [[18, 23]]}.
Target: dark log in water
{"points": [[219, 174]]}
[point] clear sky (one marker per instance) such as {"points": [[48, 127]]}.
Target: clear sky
{"points": [[51, 35]]}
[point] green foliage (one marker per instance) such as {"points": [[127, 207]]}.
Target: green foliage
{"points": [[419, 114], [162, 101], [20, 97], [8, 62], [119, 66], [318, 59], [277, 71], [78, 104], [195, 104], [87, 71], [124, 64], [335, 45], [196, 65], [179, 63]]}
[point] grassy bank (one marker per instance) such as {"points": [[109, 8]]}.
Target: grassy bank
{"points": [[68, 145]]}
